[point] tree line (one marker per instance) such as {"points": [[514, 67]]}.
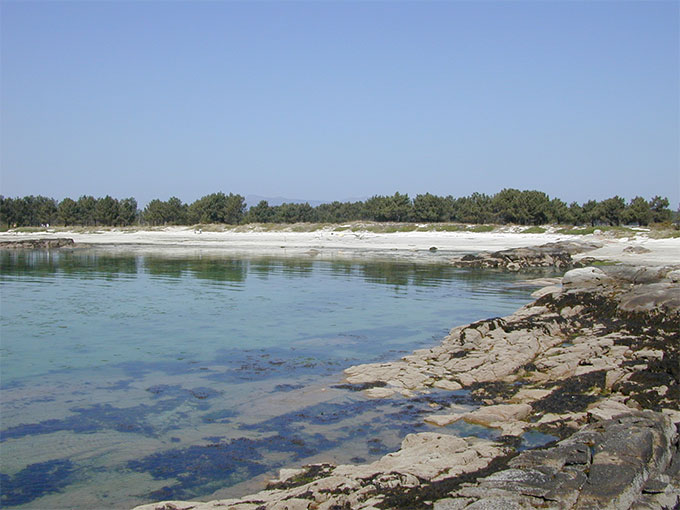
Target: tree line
{"points": [[509, 206]]}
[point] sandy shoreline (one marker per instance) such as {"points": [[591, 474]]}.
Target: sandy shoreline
{"points": [[331, 244]]}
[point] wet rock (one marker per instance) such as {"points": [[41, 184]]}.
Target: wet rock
{"points": [[37, 244], [548, 255], [606, 465]]}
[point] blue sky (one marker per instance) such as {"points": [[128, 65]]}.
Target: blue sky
{"points": [[331, 100]]}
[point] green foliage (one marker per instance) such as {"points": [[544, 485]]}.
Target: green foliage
{"points": [[603, 262], [638, 211], [217, 208], [456, 227], [340, 212], [431, 208], [659, 209], [533, 230], [28, 211], [67, 212], [394, 208], [531, 208], [521, 207], [473, 209], [611, 210], [86, 215], [576, 231], [127, 211], [560, 213], [481, 228], [171, 212], [261, 213], [106, 211], [294, 213]]}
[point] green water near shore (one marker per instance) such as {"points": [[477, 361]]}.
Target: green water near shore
{"points": [[127, 379]]}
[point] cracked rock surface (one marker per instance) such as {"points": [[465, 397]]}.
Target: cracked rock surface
{"points": [[627, 462]]}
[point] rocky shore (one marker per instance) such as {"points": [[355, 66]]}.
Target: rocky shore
{"points": [[557, 255], [36, 244], [594, 361]]}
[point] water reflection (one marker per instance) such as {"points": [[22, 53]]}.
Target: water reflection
{"points": [[150, 358], [94, 264], [49, 263], [216, 270]]}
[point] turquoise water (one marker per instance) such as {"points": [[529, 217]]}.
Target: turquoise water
{"points": [[127, 379]]}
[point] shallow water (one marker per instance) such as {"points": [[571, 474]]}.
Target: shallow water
{"points": [[128, 379]]}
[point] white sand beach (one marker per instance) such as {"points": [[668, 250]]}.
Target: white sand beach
{"points": [[333, 243]]}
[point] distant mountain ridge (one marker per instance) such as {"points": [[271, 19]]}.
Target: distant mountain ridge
{"points": [[253, 200]]}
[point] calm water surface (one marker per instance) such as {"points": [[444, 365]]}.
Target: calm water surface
{"points": [[128, 379]]}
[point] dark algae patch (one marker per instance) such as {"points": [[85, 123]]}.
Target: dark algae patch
{"points": [[573, 394], [85, 421], [35, 481], [200, 469], [422, 496], [310, 473], [98, 417], [361, 387], [221, 416]]}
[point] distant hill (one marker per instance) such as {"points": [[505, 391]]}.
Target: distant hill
{"points": [[253, 200]]}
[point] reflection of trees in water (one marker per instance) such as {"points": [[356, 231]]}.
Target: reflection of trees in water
{"points": [[396, 274], [297, 267], [400, 274], [218, 270], [47, 263]]}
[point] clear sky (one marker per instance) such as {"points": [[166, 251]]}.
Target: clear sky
{"points": [[332, 100]]}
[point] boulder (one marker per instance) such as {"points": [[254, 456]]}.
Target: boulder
{"points": [[585, 278]]}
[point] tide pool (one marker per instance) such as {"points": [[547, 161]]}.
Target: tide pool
{"points": [[128, 379]]}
